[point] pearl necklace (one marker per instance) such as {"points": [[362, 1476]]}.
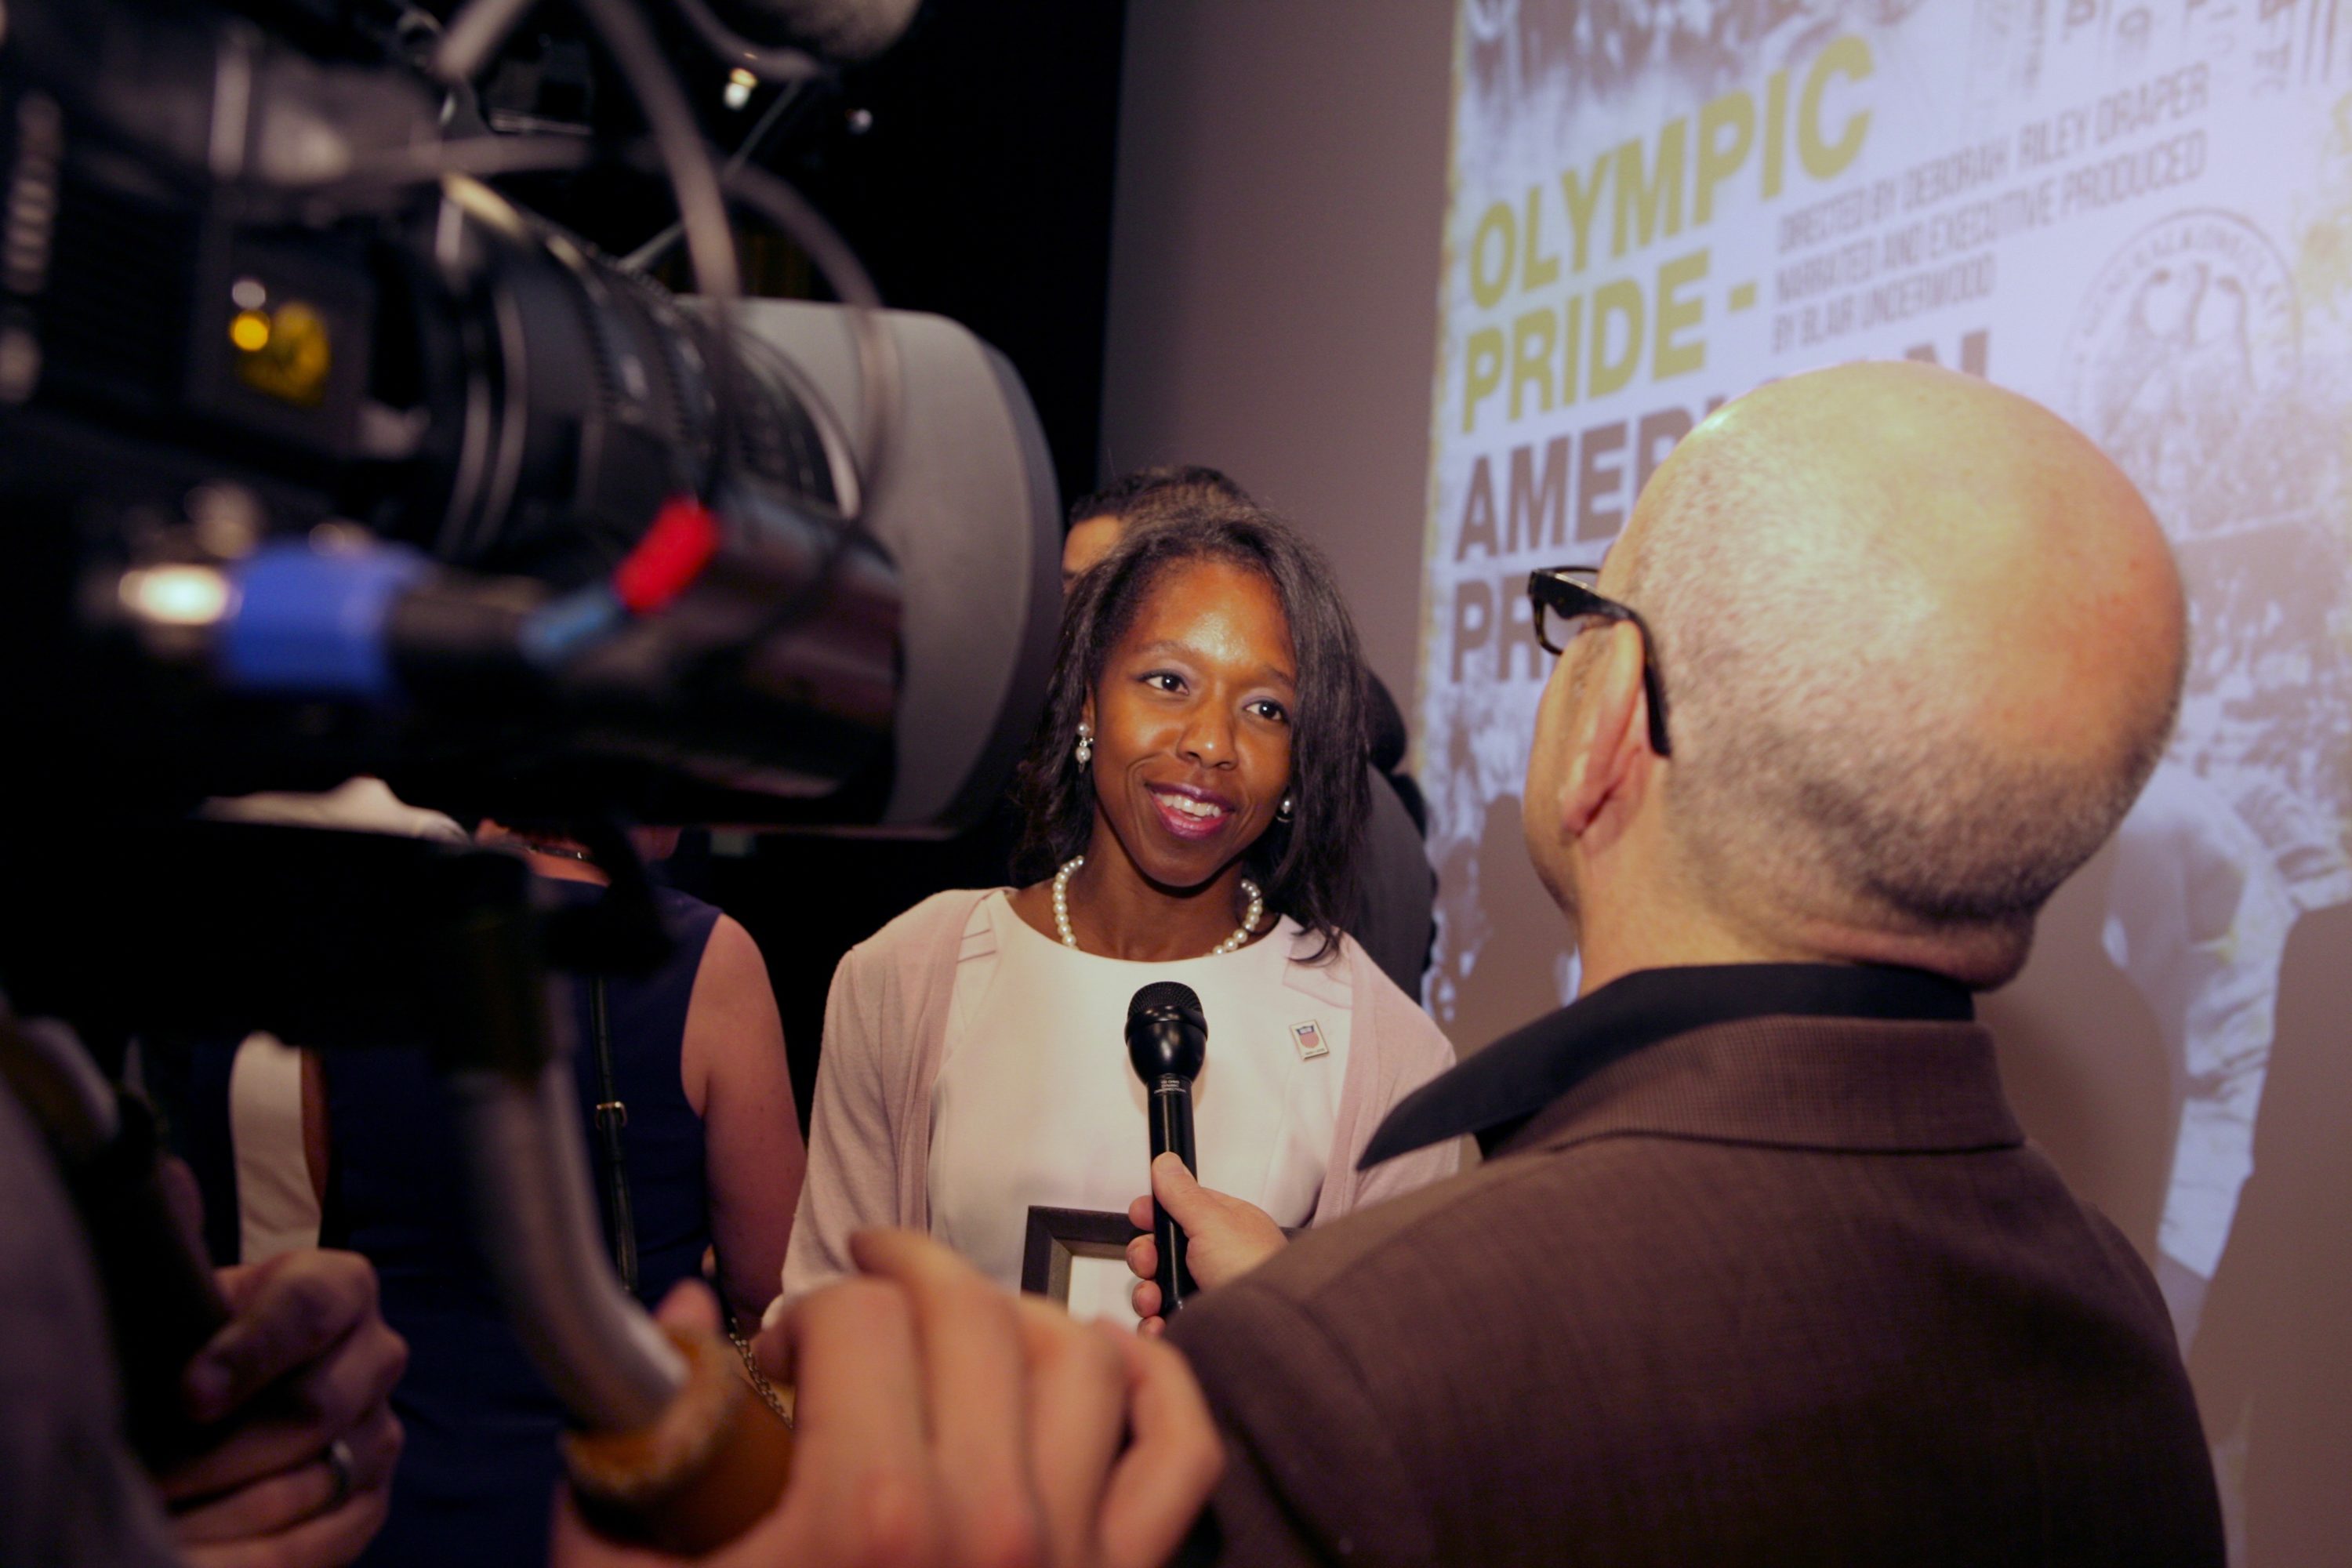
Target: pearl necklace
{"points": [[1069, 939]]}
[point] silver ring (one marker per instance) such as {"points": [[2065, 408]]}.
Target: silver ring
{"points": [[338, 1465]]}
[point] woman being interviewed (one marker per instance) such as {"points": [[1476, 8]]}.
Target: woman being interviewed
{"points": [[1193, 799]]}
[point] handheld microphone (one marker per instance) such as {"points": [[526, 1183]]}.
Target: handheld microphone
{"points": [[1167, 1040]]}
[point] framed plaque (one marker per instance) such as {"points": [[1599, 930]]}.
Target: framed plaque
{"points": [[1076, 1256]]}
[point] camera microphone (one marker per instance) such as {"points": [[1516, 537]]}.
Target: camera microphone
{"points": [[1167, 1040]]}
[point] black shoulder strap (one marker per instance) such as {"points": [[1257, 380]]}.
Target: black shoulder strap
{"points": [[611, 1117]]}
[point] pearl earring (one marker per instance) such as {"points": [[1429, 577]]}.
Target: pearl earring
{"points": [[1282, 812], [1086, 744]]}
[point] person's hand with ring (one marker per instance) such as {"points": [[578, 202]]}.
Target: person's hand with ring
{"points": [[299, 1383]]}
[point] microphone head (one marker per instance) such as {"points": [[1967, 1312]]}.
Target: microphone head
{"points": [[1166, 1034]]}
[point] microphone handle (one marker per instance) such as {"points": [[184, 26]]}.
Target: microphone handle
{"points": [[1171, 1131]]}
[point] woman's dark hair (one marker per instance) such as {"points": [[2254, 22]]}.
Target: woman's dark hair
{"points": [[1306, 866]]}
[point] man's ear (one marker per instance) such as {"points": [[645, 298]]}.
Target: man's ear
{"points": [[1610, 743]]}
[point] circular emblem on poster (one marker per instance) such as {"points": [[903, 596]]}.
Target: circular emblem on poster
{"points": [[2188, 340]]}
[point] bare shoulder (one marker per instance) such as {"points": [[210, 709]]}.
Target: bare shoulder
{"points": [[733, 1008], [731, 955], [732, 1031]]}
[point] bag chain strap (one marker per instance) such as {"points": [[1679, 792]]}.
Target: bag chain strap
{"points": [[611, 1117], [759, 1380]]}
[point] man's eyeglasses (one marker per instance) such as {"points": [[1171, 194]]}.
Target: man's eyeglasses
{"points": [[1564, 600]]}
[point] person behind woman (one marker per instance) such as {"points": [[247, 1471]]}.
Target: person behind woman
{"points": [[1193, 801]]}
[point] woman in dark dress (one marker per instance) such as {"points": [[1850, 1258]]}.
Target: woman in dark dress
{"points": [[712, 1156]]}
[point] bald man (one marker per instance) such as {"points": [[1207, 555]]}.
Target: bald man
{"points": [[1759, 1268]]}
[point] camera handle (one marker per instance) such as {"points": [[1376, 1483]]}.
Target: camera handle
{"points": [[349, 940]]}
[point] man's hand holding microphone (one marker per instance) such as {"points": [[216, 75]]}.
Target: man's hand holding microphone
{"points": [[1225, 1236], [1194, 1239]]}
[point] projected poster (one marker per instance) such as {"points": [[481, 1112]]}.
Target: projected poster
{"points": [[2140, 215]]}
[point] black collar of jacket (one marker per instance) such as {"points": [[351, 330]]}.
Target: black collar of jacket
{"points": [[1499, 1090]]}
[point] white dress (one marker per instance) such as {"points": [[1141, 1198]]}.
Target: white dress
{"points": [[1035, 1103]]}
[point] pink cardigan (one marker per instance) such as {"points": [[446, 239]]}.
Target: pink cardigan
{"points": [[885, 1032]]}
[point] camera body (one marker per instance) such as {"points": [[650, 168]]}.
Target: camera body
{"points": [[323, 459]]}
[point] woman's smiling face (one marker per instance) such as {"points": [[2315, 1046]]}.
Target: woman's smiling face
{"points": [[1192, 722]]}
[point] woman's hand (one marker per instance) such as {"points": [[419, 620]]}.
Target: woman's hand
{"points": [[1225, 1237], [942, 1420]]}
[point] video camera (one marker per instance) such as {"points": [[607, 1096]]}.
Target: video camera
{"points": [[323, 458], [320, 457]]}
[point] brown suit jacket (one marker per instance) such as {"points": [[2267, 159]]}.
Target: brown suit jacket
{"points": [[1775, 1290]]}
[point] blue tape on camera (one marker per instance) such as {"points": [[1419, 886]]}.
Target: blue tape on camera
{"points": [[312, 621], [564, 627]]}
